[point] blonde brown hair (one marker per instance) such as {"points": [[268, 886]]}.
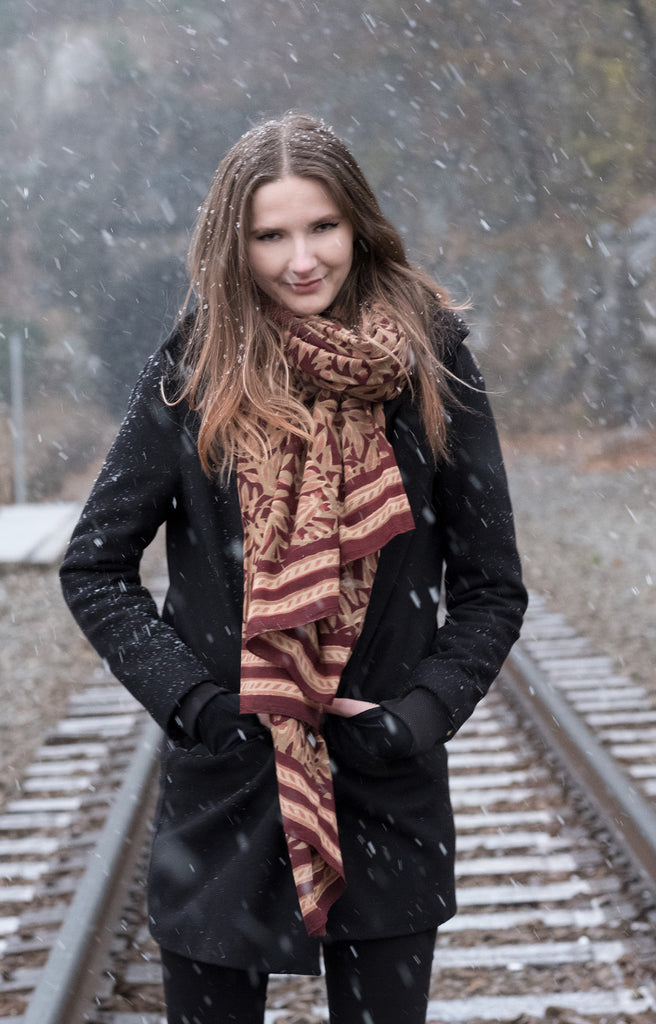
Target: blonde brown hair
{"points": [[235, 374]]}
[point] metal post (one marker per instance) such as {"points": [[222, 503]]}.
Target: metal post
{"points": [[16, 422]]}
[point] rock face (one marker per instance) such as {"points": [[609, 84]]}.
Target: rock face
{"points": [[517, 156], [617, 364]]}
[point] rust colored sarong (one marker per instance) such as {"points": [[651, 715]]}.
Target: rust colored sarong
{"points": [[315, 517]]}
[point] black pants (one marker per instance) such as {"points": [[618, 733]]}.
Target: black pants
{"points": [[378, 981]]}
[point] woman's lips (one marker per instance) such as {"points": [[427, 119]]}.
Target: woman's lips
{"points": [[306, 287]]}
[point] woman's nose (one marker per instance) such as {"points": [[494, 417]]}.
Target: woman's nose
{"points": [[303, 260]]}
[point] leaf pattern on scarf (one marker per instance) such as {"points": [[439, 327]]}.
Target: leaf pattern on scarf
{"points": [[315, 517]]}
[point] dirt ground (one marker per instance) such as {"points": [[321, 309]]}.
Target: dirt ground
{"points": [[585, 509]]}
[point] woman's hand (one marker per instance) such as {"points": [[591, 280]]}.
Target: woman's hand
{"points": [[368, 732], [346, 707]]}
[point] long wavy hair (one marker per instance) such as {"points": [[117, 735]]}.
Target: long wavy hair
{"points": [[234, 372]]}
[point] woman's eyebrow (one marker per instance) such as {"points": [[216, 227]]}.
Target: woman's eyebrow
{"points": [[267, 229]]}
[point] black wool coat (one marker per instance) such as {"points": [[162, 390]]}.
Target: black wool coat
{"points": [[220, 887]]}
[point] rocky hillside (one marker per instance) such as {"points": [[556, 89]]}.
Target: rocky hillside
{"points": [[516, 152]]}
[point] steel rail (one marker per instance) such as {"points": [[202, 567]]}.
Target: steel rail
{"points": [[69, 979], [628, 817]]}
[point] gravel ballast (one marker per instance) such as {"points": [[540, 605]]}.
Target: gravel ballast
{"points": [[585, 508]]}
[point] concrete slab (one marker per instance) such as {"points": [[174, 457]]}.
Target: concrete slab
{"points": [[36, 534]]}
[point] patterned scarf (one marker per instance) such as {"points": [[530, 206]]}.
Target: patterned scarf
{"points": [[315, 517]]}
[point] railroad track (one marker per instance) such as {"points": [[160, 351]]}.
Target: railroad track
{"points": [[556, 858]]}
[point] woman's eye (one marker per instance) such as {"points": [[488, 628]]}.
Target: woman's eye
{"points": [[327, 225], [267, 236]]}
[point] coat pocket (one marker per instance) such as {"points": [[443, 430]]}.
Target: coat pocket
{"points": [[349, 752]]}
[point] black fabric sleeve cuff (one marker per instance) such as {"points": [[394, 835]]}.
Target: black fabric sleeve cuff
{"points": [[425, 717], [191, 705]]}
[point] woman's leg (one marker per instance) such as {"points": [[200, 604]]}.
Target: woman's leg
{"points": [[379, 981], [198, 993]]}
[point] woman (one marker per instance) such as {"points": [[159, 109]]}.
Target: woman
{"points": [[317, 440]]}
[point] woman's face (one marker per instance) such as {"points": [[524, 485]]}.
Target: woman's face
{"points": [[300, 246]]}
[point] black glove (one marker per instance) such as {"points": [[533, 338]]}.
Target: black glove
{"points": [[220, 726], [380, 732]]}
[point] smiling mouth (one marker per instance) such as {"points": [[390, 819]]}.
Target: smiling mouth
{"points": [[300, 287]]}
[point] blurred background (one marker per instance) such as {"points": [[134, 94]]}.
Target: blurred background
{"points": [[514, 145]]}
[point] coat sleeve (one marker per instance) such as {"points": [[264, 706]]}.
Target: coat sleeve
{"points": [[100, 574], [485, 597]]}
